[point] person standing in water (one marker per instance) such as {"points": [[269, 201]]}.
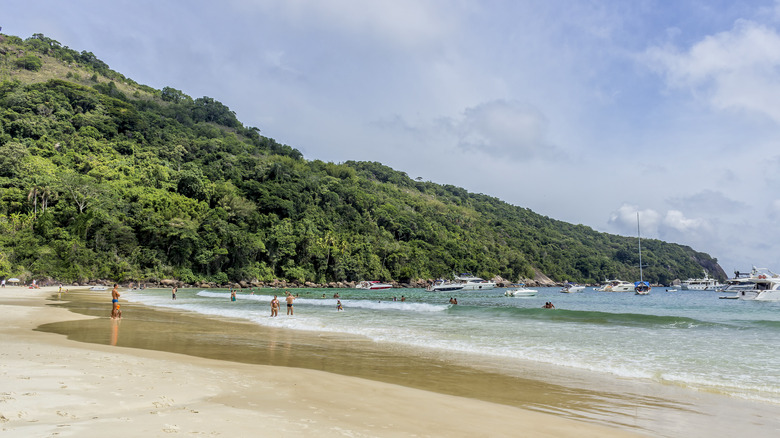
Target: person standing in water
{"points": [[338, 306], [232, 295], [290, 298], [115, 312], [274, 307], [173, 293]]}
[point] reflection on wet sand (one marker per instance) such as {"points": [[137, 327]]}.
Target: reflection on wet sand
{"points": [[115, 330]]}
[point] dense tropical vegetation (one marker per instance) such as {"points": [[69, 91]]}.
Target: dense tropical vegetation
{"points": [[101, 177]]}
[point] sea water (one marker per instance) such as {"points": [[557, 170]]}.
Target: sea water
{"points": [[690, 339]]}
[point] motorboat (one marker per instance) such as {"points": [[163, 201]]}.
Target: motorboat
{"points": [[471, 282], [442, 285], [519, 290], [617, 286], [765, 287], [373, 285], [705, 283], [742, 282], [570, 288]]}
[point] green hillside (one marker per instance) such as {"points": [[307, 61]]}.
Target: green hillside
{"points": [[104, 178]]}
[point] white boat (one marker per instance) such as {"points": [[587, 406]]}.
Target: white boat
{"points": [[705, 283], [765, 287], [470, 282], [519, 290], [98, 288], [373, 285], [442, 285], [570, 288], [617, 286]]}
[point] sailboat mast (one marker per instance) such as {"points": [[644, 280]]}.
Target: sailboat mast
{"points": [[639, 238]]}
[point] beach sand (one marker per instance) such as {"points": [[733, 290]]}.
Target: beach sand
{"points": [[54, 386]]}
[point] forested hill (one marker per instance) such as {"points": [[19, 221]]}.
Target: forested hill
{"points": [[104, 178]]}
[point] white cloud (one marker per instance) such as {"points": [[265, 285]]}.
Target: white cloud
{"points": [[504, 129], [672, 225], [624, 220], [731, 70], [676, 220]]}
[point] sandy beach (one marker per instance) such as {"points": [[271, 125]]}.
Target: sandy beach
{"points": [[53, 386]]}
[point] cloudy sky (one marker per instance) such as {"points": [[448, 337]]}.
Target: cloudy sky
{"points": [[584, 111]]}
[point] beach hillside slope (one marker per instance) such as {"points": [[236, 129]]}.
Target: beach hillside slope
{"points": [[104, 178]]}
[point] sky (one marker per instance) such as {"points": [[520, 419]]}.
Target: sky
{"points": [[585, 111]]}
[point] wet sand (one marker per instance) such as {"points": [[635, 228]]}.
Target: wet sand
{"points": [[441, 395]]}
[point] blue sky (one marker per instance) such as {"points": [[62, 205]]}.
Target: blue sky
{"points": [[584, 111]]}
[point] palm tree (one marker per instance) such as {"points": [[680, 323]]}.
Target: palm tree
{"points": [[46, 194], [34, 191]]}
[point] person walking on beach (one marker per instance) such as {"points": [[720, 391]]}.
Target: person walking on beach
{"points": [[290, 299], [115, 312], [274, 307]]}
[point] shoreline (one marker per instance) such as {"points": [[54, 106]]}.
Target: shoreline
{"points": [[439, 392], [54, 385]]}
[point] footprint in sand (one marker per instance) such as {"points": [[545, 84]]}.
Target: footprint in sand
{"points": [[65, 414], [171, 428]]}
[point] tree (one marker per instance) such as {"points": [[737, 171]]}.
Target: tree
{"points": [[29, 62], [81, 189], [34, 195]]}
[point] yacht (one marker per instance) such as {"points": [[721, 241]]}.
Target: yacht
{"points": [[617, 286], [570, 288], [705, 283], [519, 290], [741, 282], [442, 285], [760, 285], [373, 285], [471, 282], [765, 288]]}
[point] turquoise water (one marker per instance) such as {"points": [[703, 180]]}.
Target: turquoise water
{"points": [[689, 339]]}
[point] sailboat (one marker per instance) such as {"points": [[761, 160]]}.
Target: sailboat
{"points": [[641, 287]]}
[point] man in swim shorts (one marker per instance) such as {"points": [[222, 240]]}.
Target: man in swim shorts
{"points": [[290, 299], [115, 312]]}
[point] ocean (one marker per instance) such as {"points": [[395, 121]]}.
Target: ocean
{"points": [[685, 339]]}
